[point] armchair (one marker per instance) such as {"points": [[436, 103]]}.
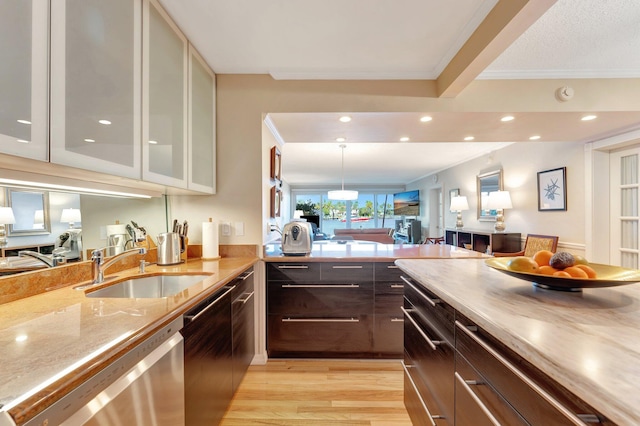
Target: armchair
{"points": [[534, 243]]}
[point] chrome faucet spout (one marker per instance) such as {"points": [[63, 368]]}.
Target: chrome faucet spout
{"points": [[98, 266], [50, 261]]}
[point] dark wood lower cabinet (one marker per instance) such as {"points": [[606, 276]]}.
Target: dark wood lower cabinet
{"points": [[243, 333]]}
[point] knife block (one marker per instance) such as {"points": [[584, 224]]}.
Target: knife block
{"points": [[183, 255]]}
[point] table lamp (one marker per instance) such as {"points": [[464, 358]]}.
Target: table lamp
{"points": [[459, 203], [498, 201], [6, 218]]}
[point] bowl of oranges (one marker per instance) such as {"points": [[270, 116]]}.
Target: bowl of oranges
{"points": [[563, 271]]}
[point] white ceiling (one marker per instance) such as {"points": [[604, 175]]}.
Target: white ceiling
{"points": [[406, 39]]}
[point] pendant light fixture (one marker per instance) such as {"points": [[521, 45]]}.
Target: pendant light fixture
{"points": [[343, 195]]}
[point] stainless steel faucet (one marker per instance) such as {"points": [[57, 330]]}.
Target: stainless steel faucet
{"points": [[50, 261], [98, 265]]}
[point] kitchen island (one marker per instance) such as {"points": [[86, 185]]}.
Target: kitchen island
{"points": [[52, 342], [587, 342]]}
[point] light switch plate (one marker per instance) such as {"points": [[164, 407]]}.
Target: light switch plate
{"points": [[239, 228], [225, 229]]}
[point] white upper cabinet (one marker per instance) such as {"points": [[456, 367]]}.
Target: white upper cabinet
{"points": [[24, 29], [202, 133], [96, 85], [165, 125]]}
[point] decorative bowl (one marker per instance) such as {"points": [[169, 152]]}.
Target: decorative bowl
{"points": [[607, 276]]}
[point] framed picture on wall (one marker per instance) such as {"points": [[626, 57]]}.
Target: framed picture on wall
{"points": [[276, 200], [552, 190], [276, 163]]}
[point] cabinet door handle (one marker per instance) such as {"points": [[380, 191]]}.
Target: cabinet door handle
{"points": [[396, 286], [246, 299], [415, 389], [432, 302], [432, 343], [293, 267], [397, 319], [192, 318], [246, 275], [465, 384], [320, 285], [575, 419], [347, 267], [320, 320], [393, 267]]}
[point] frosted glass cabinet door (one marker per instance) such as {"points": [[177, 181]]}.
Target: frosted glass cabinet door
{"points": [[202, 101], [95, 85], [24, 29], [164, 134]]}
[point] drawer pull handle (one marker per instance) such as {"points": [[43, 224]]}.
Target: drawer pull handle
{"points": [[397, 319], [320, 320], [246, 275], [393, 267], [320, 285], [293, 267], [246, 299], [347, 267], [432, 302], [192, 318], [465, 384], [397, 286], [575, 419], [432, 343], [415, 389]]}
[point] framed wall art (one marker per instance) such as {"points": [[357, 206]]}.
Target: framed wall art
{"points": [[276, 163], [276, 200], [552, 190]]}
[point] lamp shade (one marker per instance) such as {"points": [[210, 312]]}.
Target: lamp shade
{"points": [[6, 216], [70, 216], [343, 195], [459, 203], [499, 200]]}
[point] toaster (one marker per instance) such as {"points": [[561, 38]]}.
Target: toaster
{"points": [[297, 238]]}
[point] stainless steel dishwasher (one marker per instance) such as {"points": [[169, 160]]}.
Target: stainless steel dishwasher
{"points": [[143, 387]]}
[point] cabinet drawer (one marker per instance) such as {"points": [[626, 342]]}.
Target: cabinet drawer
{"points": [[417, 403], [389, 297], [346, 272], [294, 271], [477, 403], [529, 391], [387, 272], [320, 299], [388, 333], [431, 311], [433, 360], [318, 336]]}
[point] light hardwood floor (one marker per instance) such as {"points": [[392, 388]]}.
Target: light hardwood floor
{"points": [[319, 393]]}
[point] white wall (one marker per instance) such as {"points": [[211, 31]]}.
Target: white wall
{"points": [[520, 164]]}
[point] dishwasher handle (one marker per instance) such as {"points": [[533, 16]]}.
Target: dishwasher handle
{"points": [[191, 318]]}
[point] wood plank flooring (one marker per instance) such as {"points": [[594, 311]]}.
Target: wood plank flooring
{"points": [[319, 393]]}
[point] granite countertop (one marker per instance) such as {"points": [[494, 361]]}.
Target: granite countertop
{"points": [[589, 341], [364, 251], [49, 343]]}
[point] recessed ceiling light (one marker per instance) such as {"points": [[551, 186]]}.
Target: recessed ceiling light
{"points": [[24, 122], [345, 119], [152, 142], [341, 139], [22, 141], [469, 138], [426, 118], [589, 117], [404, 139], [89, 140], [507, 118], [534, 138], [105, 122]]}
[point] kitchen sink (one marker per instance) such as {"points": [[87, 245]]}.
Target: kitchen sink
{"points": [[155, 286]]}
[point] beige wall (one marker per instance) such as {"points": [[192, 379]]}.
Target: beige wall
{"points": [[243, 100]]}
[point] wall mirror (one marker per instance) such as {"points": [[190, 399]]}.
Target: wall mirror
{"points": [[31, 211], [488, 182]]}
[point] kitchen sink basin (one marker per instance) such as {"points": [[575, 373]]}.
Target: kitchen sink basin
{"points": [[148, 287]]}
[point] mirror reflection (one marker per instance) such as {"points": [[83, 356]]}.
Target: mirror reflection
{"points": [[487, 182], [72, 225]]}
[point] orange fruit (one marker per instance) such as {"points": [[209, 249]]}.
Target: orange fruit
{"points": [[542, 257], [522, 264], [547, 270], [591, 273], [561, 274], [576, 272]]}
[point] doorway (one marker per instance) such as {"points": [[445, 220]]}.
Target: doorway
{"points": [[625, 207]]}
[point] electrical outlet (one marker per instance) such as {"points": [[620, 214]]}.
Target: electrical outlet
{"points": [[225, 228]]}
